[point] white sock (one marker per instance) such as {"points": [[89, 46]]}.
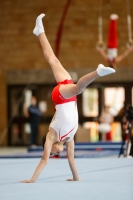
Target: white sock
{"points": [[39, 25], [103, 71]]}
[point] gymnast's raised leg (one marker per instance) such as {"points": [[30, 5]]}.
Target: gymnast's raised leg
{"points": [[60, 74]]}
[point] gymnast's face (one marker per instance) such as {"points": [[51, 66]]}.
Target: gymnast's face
{"points": [[56, 148]]}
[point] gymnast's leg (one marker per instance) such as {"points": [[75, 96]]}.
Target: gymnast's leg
{"points": [[69, 90], [59, 72]]}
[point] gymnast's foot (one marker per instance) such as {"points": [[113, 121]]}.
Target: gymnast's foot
{"points": [[39, 25], [103, 71]]}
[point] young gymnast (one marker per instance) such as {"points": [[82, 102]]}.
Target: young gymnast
{"points": [[112, 51], [65, 121]]}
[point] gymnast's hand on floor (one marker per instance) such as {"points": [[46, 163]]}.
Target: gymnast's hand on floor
{"points": [[27, 181], [71, 179]]}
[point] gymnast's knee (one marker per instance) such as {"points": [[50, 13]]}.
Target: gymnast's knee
{"points": [[53, 61]]}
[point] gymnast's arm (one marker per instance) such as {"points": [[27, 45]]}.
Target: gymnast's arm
{"points": [[43, 161], [123, 55], [70, 154], [102, 52]]}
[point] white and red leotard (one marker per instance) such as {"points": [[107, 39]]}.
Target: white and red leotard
{"points": [[65, 120]]}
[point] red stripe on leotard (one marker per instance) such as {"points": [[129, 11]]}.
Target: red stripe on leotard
{"points": [[60, 138]]}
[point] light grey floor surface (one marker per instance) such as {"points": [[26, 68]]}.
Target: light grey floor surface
{"points": [[102, 179]]}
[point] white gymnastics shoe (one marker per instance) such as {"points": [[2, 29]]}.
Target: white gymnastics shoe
{"points": [[103, 71], [39, 25]]}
